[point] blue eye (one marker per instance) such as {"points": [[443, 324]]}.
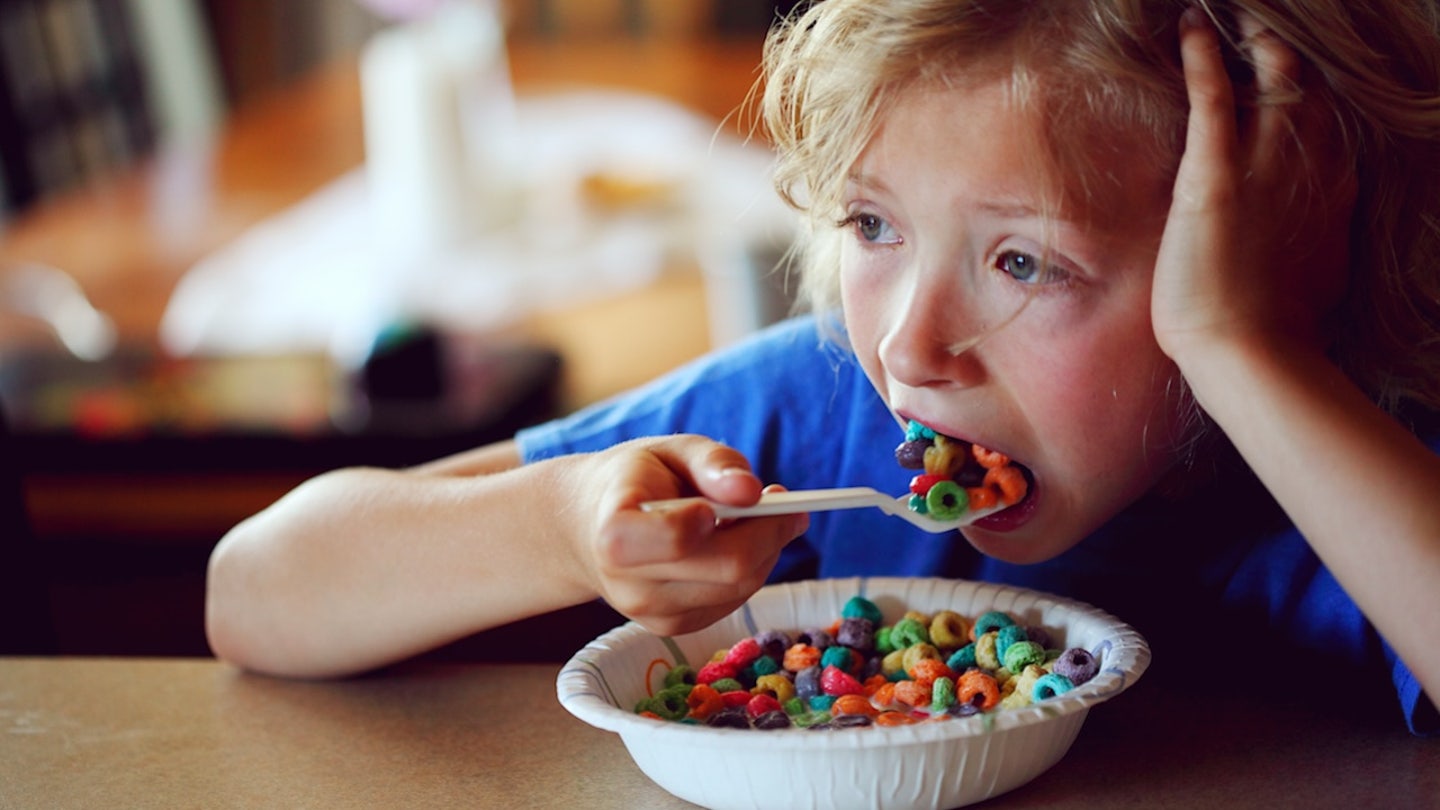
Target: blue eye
{"points": [[872, 228], [1027, 269]]}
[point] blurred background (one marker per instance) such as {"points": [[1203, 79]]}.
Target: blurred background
{"points": [[245, 241]]}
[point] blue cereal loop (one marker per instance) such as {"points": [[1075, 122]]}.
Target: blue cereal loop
{"points": [[918, 432], [993, 620], [963, 658], [1049, 685], [1008, 635], [861, 608]]}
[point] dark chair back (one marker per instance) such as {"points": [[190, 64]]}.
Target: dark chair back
{"points": [[25, 625]]}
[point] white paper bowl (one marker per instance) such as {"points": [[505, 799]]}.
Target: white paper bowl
{"points": [[931, 764]]}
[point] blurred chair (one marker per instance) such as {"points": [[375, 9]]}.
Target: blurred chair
{"points": [[87, 86]]}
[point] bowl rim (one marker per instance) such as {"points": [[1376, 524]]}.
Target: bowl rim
{"points": [[582, 690]]}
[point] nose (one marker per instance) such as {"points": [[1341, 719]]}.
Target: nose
{"points": [[931, 339]]}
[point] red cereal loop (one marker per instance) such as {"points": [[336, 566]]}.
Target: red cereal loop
{"points": [[737, 698], [761, 704], [853, 704], [979, 689], [836, 681], [800, 657], [926, 670], [744, 653], [912, 693], [714, 671], [703, 701]]}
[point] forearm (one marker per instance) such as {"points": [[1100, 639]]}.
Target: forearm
{"points": [[361, 567], [1359, 486]]}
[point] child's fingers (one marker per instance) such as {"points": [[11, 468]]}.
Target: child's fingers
{"points": [[1211, 138], [1278, 83], [716, 471]]}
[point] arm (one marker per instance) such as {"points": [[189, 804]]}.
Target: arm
{"points": [[1240, 309], [362, 567]]}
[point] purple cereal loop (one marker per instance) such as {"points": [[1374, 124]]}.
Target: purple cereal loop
{"points": [[858, 634], [1077, 664]]}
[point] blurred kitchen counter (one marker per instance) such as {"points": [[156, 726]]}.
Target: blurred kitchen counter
{"points": [[129, 238]]}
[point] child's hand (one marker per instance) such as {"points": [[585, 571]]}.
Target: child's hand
{"points": [[1256, 246], [679, 570]]}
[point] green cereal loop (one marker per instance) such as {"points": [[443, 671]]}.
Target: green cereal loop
{"points": [[946, 500], [993, 620], [883, 644], [667, 704], [1009, 634], [795, 706], [963, 658], [1050, 684], [985, 655], [680, 674], [909, 631], [942, 694], [861, 608], [810, 718], [723, 685], [1022, 654]]}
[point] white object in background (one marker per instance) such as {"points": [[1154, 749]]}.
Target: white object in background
{"points": [[433, 184]]}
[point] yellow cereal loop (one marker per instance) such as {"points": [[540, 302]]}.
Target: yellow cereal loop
{"points": [[949, 630], [774, 684], [1022, 688], [893, 662], [917, 652], [922, 618], [986, 657]]}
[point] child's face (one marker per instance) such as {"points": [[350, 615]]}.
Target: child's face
{"points": [[945, 241]]}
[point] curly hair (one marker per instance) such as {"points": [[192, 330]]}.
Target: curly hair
{"points": [[1108, 72]]}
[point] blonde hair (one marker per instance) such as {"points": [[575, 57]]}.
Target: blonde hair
{"points": [[1092, 68]]}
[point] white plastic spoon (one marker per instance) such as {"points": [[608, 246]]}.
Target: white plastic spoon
{"points": [[825, 500]]}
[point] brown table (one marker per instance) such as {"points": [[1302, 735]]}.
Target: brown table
{"points": [[78, 732]]}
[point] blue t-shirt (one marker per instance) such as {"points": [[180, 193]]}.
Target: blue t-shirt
{"points": [[1215, 578]]}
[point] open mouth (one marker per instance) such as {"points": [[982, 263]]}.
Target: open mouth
{"points": [[956, 476]]}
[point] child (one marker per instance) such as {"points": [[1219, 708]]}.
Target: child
{"points": [[1166, 257]]}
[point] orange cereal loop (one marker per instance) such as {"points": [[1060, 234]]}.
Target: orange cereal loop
{"points": [[912, 693], [989, 459], [853, 704], [704, 701], [949, 630], [926, 670], [885, 694], [893, 718], [800, 657], [982, 497], [873, 683], [977, 689], [834, 629], [1010, 482]]}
